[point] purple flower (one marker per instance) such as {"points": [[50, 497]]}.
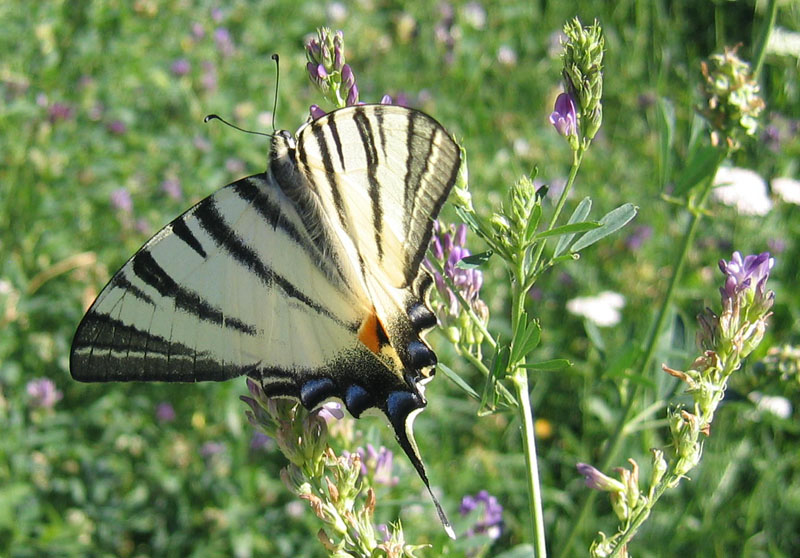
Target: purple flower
{"points": [[198, 32], [165, 412], [352, 96], [223, 40], [59, 111], [210, 449], [181, 67], [597, 480], [330, 411], [378, 463], [121, 200], [43, 393], [749, 274], [117, 127], [217, 15], [316, 112], [490, 521], [448, 245], [564, 117], [172, 187]]}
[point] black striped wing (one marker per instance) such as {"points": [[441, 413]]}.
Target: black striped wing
{"points": [[234, 286], [306, 277]]}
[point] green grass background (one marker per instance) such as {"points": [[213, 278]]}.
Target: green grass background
{"points": [[100, 476]]}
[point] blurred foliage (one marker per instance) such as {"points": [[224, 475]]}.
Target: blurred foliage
{"points": [[98, 97]]}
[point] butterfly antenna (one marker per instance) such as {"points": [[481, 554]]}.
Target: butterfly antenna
{"points": [[234, 126], [277, 80]]}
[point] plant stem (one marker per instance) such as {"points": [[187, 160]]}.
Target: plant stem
{"points": [[763, 40], [520, 380], [577, 157], [650, 348]]}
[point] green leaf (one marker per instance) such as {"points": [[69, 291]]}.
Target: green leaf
{"points": [[579, 215], [526, 339], [475, 260], [666, 131], [610, 223], [498, 370], [552, 364], [701, 166], [533, 222], [583, 226], [459, 381]]}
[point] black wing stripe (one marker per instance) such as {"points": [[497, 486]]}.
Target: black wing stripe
{"points": [[330, 173], [146, 268], [409, 191], [181, 230], [337, 140], [368, 140], [212, 221], [381, 132], [270, 211], [122, 282]]}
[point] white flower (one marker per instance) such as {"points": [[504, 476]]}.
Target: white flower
{"points": [[603, 309], [787, 189], [774, 404], [743, 189], [475, 15], [784, 42], [336, 12], [506, 56]]}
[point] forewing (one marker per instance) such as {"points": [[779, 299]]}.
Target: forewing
{"points": [[233, 286]]}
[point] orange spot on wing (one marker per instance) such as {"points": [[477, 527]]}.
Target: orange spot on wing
{"points": [[371, 332]]}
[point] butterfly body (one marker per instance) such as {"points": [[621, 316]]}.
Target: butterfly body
{"points": [[306, 278]]}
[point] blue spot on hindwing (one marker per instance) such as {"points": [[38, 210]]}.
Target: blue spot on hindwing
{"points": [[421, 355], [357, 400], [314, 392]]}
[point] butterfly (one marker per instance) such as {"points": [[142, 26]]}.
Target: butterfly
{"points": [[306, 278]]}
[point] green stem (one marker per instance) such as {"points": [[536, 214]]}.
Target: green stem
{"points": [[519, 377], [761, 49], [520, 380], [577, 157], [621, 429]]}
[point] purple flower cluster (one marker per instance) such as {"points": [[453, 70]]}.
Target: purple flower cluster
{"points": [[745, 274], [490, 521], [449, 247], [378, 465], [43, 393]]}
